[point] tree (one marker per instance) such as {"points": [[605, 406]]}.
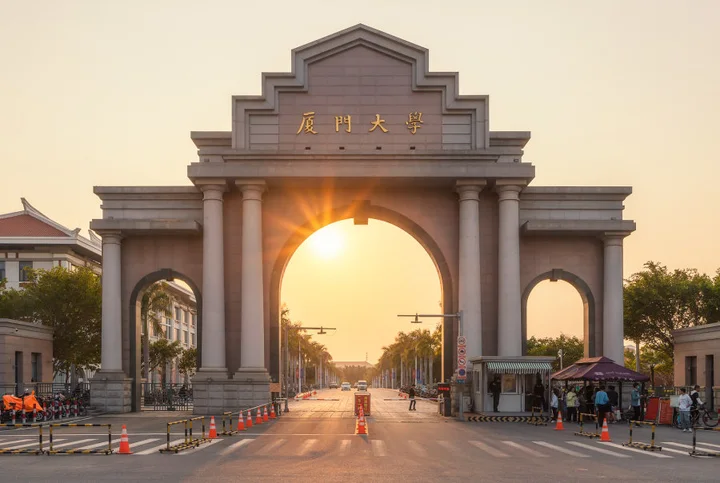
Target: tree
{"points": [[655, 364], [572, 347], [187, 364], [162, 353], [155, 303], [69, 301], [658, 302]]}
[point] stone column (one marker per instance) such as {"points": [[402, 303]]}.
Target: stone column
{"points": [[213, 291], [469, 264], [111, 348], [252, 320], [613, 345], [509, 296]]}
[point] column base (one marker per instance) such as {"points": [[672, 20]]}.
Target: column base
{"points": [[214, 392], [111, 392]]}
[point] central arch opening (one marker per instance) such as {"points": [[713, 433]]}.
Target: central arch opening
{"points": [[357, 279]]}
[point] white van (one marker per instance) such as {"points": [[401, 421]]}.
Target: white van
{"points": [[362, 385]]}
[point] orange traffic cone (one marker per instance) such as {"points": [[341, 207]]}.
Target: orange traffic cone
{"points": [[258, 417], [241, 422], [249, 420], [605, 435], [559, 424], [272, 412], [213, 429], [360, 426], [124, 443], [265, 415]]}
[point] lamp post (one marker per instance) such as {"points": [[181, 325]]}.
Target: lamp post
{"points": [[459, 316], [321, 330]]}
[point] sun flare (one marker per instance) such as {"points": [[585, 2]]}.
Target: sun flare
{"points": [[326, 243]]}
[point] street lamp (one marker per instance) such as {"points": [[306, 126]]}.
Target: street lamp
{"points": [[459, 316], [321, 331]]}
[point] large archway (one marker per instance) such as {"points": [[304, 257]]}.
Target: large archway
{"points": [[165, 274], [361, 213], [588, 301]]}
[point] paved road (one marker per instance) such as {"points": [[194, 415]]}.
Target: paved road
{"points": [[316, 440]]}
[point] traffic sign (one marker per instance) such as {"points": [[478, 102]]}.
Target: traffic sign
{"points": [[462, 361], [462, 372], [462, 351], [462, 340]]}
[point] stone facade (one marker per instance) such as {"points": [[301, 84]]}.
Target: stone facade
{"points": [[26, 354], [310, 151]]}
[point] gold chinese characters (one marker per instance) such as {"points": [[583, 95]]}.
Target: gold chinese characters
{"points": [[307, 123]]}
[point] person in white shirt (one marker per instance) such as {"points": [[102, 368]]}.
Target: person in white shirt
{"points": [[554, 405], [684, 406]]}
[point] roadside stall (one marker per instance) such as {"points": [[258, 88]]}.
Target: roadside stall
{"points": [[513, 378]]}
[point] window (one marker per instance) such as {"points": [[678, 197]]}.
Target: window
{"points": [[194, 340], [194, 319], [509, 383], [36, 366], [177, 335], [690, 371], [2, 270], [186, 339], [178, 314], [23, 273]]}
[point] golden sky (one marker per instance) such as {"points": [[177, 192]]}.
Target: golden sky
{"points": [[614, 92]]}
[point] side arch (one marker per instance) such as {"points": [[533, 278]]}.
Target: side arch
{"points": [[586, 295], [361, 212], [169, 275]]}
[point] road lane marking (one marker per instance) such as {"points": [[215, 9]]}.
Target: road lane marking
{"points": [[156, 449], [670, 450], [104, 443], [31, 444], [72, 443], [344, 445], [635, 450], [529, 451], [271, 447], [688, 445], [599, 450], [416, 448], [199, 448], [561, 449], [378, 447], [447, 445], [20, 441], [307, 446], [235, 446], [489, 449]]}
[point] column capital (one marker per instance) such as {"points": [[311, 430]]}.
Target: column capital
{"points": [[614, 238], [469, 189], [212, 189], [252, 189], [110, 237], [509, 189]]}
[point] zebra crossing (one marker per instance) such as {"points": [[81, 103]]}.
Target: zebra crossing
{"points": [[379, 448]]}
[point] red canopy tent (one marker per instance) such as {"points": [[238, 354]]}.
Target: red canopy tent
{"points": [[598, 369]]}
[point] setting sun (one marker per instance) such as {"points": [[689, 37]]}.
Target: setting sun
{"points": [[326, 242]]}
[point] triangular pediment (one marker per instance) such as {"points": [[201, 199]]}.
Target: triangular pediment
{"points": [[351, 80]]}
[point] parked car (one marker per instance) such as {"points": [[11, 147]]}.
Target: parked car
{"points": [[345, 386], [333, 385], [362, 385]]}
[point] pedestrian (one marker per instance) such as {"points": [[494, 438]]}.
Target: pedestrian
{"points": [[539, 393], [494, 388], [614, 398], [602, 405], [571, 400], [554, 405], [684, 406], [411, 396], [696, 402], [635, 403]]}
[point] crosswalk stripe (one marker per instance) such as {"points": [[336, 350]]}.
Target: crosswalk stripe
{"points": [[447, 445], [19, 441], [104, 443], [30, 444], [489, 449], [699, 445], [235, 446], [529, 451], [158, 448], [671, 450], [206, 444], [378, 447], [599, 450], [344, 445], [307, 446], [265, 451], [635, 450], [561, 449], [416, 448], [72, 443]]}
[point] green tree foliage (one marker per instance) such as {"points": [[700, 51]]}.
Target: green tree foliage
{"points": [[573, 349], [653, 364], [658, 301], [156, 302], [312, 353], [163, 352], [187, 364], [68, 301], [427, 345]]}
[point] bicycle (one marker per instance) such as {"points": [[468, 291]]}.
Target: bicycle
{"points": [[709, 418]]}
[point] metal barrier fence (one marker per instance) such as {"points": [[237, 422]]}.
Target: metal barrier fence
{"points": [[537, 420], [166, 397], [646, 447], [187, 440], [228, 430], [582, 427], [107, 451], [37, 451], [694, 451]]}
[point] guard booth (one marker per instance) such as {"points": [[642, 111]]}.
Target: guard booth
{"points": [[517, 376], [444, 400], [362, 399]]}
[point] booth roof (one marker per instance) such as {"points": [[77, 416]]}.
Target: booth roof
{"points": [[598, 369], [517, 367]]}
